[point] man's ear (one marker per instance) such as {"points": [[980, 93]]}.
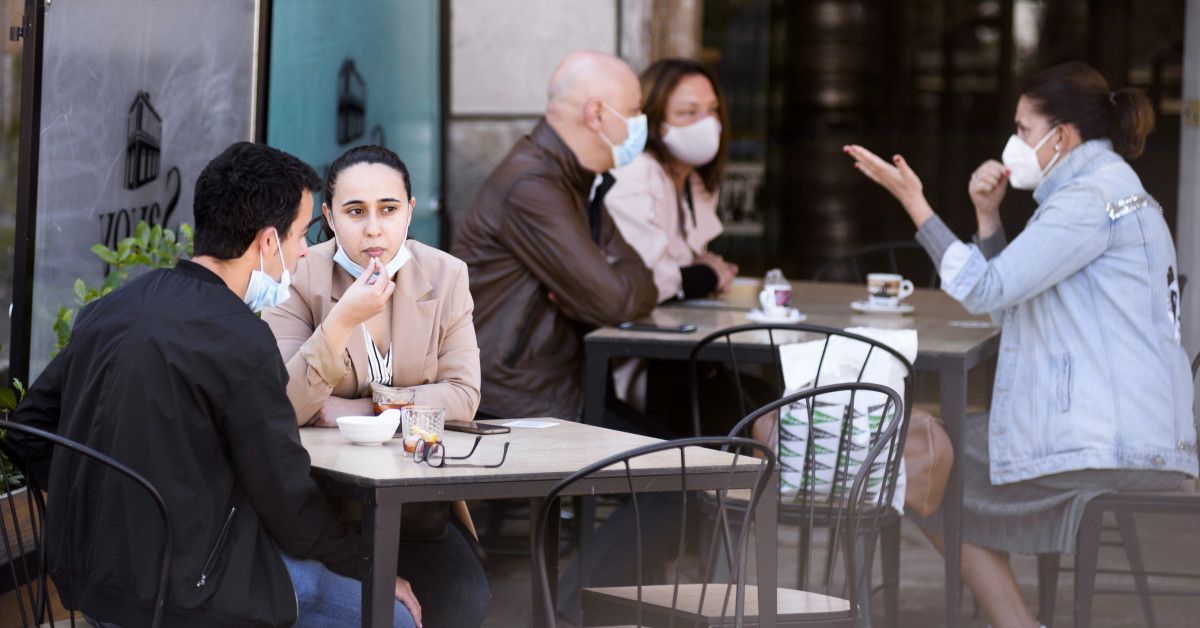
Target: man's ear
{"points": [[263, 242], [592, 111]]}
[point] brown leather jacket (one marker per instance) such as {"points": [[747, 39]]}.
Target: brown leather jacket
{"points": [[526, 238]]}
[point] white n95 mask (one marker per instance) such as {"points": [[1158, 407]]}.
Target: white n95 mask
{"points": [[1021, 160]]}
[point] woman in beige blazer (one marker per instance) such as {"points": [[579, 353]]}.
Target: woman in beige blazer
{"points": [[422, 312], [369, 306]]}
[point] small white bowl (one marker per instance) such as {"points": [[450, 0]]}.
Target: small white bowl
{"points": [[369, 430]]}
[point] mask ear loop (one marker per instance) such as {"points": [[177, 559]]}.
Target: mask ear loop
{"points": [[1057, 150]]}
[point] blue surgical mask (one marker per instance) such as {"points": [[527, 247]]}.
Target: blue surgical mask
{"points": [[356, 270], [635, 139], [264, 291]]}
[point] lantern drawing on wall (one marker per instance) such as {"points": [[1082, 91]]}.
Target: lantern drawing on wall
{"points": [[143, 144], [352, 103]]}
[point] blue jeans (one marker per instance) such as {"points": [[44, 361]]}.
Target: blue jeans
{"points": [[328, 599]]}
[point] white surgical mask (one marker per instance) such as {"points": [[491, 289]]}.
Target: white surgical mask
{"points": [[355, 270], [264, 291], [1022, 161], [635, 139], [695, 144]]}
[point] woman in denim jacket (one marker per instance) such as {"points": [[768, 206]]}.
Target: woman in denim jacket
{"points": [[1093, 392]]}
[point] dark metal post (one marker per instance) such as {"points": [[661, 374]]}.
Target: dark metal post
{"points": [[33, 29]]}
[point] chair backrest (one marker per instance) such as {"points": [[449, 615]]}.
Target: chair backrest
{"points": [[897, 256], [751, 352], [731, 538], [26, 551], [845, 483]]}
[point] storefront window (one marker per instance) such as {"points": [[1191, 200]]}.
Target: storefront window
{"points": [[346, 74]]}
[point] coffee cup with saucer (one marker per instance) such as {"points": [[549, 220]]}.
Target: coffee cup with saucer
{"points": [[773, 306], [885, 291]]}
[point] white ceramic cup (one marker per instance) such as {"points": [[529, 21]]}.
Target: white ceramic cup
{"points": [[773, 300], [887, 290]]}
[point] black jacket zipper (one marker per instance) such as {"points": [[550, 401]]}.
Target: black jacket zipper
{"points": [[212, 556]]}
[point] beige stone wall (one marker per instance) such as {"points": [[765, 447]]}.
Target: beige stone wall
{"points": [[501, 57]]}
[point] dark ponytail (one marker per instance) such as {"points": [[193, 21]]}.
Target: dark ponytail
{"points": [[1134, 121], [1075, 93]]}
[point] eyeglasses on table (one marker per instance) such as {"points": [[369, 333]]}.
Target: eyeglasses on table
{"points": [[434, 454]]}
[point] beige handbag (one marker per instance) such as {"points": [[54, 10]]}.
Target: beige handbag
{"points": [[928, 457]]}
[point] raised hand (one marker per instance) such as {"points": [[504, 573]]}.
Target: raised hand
{"points": [[896, 177], [988, 184], [365, 298]]}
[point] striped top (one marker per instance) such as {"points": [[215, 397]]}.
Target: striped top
{"points": [[379, 365]]}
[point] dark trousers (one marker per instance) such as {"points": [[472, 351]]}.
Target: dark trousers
{"points": [[447, 578]]}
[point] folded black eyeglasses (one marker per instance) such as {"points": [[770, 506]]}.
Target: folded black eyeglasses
{"points": [[434, 454]]}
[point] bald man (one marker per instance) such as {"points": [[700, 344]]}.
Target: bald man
{"points": [[546, 263]]}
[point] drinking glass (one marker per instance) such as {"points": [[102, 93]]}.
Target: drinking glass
{"points": [[390, 398], [422, 423]]}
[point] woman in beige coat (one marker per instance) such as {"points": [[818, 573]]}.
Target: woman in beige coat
{"points": [[339, 330], [369, 306]]}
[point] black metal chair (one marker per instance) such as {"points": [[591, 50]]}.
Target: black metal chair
{"points": [[732, 347], [642, 603], [1185, 502], [25, 549], [892, 257], [853, 508]]}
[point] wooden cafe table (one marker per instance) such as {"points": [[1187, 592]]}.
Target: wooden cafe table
{"points": [[950, 342], [381, 479]]}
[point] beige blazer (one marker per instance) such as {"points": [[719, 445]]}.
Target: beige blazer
{"points": [[649, 214], [433, 336]]}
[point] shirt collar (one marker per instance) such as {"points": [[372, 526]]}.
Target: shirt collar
{"points": [[1086, 158]]}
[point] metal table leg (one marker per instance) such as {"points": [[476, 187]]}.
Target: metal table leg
{"points": [[595, 388], [766, 527], [551, 543], [380, 547], [953, 383], [595, 384]]}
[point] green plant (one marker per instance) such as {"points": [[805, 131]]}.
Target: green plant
{"points": [[151, 247], [9, 398]]}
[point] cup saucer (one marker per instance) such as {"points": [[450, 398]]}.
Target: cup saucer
{"points": [[791, 315], [867, 307]]}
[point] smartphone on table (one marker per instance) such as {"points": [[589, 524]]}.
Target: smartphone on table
{"points": [[474, 427], [683, 328]]}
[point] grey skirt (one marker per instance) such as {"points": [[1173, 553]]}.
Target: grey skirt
{"points": [[1036, 516]]}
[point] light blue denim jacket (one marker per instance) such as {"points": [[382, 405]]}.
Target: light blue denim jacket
{"points": [[1091, 373]]}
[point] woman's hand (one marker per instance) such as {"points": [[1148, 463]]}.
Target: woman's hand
{"points": [[726, 272], [404, 595], [335, 407], [364, 299], [988, 184], [898, 179]]}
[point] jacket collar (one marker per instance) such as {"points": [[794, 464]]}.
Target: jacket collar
{"points": [[195, 271], [1085, 159], [578, 177]]}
